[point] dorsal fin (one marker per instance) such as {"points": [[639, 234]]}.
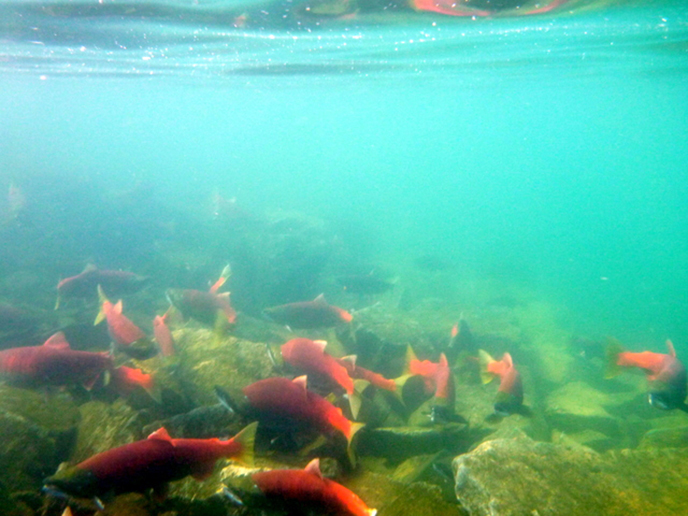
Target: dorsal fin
{"points": [[351, 359], [508, 360], [160, 434], [313, 467], [670, 347], [89, 267], [443, 360], [320, 300], [118, 307], [57, 341], [301, 381], [321, 344]]}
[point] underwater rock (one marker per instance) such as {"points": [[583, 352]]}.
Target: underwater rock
{"points": [[228, 362], [666, 432], [576, 406], [104, 426], [38, 432], [587, 438], [28, 453], [515, 477]]}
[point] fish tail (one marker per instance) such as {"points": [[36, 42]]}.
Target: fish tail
{"points": [[102, 298], [224, 275], [226, 400], [355, 399], [247, 439], [410, 358], [485, 360], [355, 427], [614, 347]]}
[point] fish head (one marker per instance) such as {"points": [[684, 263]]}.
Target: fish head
{"points": [[73, 481]]}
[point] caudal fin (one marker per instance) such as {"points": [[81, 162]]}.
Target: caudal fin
{"points": [[614, 347], [485, 360], [355, 399], [355, 427], [247, 439]]}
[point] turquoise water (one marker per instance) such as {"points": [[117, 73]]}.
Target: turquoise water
{"points": [[544, 150]]}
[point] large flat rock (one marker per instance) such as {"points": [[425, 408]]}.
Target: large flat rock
{"points": [[522, 477]]}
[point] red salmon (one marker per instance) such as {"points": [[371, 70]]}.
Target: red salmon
{"points": [[309, 486]]}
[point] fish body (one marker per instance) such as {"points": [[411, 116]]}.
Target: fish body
{"points": [[437, 376], [53, 364], [83, 285], [665, 373], [357, 372], [309, 486], [365, 284], [150, 464], [310, 356], [309, 314], [163, 335], [279, 397], [202, 306], [127, 379], [127, 337], [509, 398]]}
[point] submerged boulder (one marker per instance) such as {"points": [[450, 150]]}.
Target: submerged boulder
{"points": [[37, 434], [514, 477]]}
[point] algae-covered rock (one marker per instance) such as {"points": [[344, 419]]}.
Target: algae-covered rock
{"points": [[28, 453], [54, 412], [577, 406], [104, 426], [228, 362], [514, 477], [37, 433], [670, 437]]}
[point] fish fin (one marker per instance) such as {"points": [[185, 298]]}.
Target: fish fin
{"points": [[670, 347], [161, 434], [247, 439], [118, 307], [399, 383], [57, 305], [485, 359], [355, 428], [301, 381], [508, 360], [360, 385], [322, 344], [203, 470], [57, 341], [443, 360], [89, 267], [101, 295], [355, 400], [273, 357], [67, 512], [614, 347], [313, 467], [107, 376], [224, 275], [351, 359], [410, 357], [320, 300], [226, 401]]}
